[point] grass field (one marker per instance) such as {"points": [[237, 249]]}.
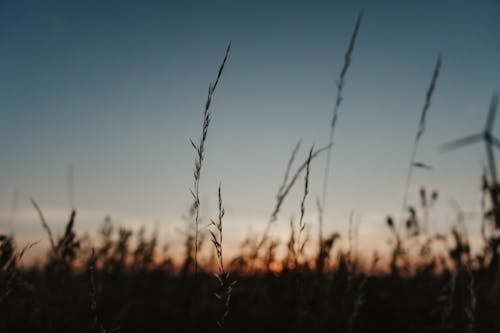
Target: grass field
{"points": [[121, 280]]}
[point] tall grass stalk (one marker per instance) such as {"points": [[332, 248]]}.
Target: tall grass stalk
{"points": [[45, 225], [281, 195], [216, 234], [302, 224], [225, 287], [420, 132], [289, 167], [200, 155], [338, 102]]}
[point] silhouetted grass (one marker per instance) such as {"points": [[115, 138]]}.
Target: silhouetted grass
{"points": [[200, 156], [119, 282]]}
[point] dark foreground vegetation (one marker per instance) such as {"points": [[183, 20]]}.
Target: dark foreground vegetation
{"points": [[122, 283]]}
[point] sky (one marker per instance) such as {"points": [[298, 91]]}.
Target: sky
{"points": [[114, 90]]}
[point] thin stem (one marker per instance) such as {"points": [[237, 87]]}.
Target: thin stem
{"points": [[420, 132], [338, 101], [280, 199], [200, 155]]}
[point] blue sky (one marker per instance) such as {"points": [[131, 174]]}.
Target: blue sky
{"points": [[116, 89]]}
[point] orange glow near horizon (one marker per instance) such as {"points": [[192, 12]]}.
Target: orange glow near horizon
{"points": [[372, 254]]}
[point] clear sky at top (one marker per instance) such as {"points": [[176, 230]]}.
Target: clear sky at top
{"points": [[117, 88]]}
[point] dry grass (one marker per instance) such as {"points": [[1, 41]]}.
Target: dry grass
{"points": [[320, 293], [96, 324], [44, 225], [338, 101], [302, 224], [200, 155], [420, 132], [225, 284]]}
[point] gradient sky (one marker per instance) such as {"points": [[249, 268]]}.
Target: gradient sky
{"points": [[116, 89]]}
